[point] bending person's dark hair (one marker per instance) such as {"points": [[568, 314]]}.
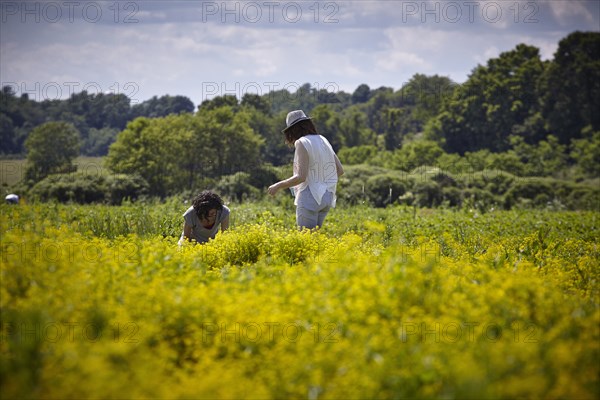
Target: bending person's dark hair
{"points": [[205, 202]]}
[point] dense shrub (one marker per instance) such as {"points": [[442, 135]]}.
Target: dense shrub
{"points": [[499, 182], [530, 192], [84, 189], [122, 186], [480, 199], [549, 192], [352, 185], [351, 191], [416, 153], [357, 154], [384, 189], [74, 188], [427, 194], [584, 198], [237, 187], [445, 179], [262, 176], [452, 196]]}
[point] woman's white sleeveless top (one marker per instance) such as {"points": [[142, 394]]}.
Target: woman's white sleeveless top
{"points": [[322, 171]]}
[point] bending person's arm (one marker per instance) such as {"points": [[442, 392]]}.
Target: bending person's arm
{"points": [[225, 224], [187, 232]]}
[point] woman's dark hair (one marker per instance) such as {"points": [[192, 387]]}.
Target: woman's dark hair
{"points": [[205, 202], [298, 130]]}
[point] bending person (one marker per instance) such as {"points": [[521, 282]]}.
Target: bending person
{"points": [[203, 219]]}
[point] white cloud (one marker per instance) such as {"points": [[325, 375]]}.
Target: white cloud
{"points": [[565, 11], [395, 61], [373, 43]]}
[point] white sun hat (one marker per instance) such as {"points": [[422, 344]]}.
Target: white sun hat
{"points": [[293, 118]]}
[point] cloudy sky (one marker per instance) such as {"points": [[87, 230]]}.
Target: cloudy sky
{"points": [[205, 48]]}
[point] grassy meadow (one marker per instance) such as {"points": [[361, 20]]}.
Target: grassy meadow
{"points": [[100, 302]]}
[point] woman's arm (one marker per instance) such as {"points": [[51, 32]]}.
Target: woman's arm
{"points": [[299, 175], [338, 166]]}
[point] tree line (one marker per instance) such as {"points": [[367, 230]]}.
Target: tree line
{"points": [[516, 113], [98, 118]]}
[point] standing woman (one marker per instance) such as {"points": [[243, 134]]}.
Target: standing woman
{"points": [[204, 218], [316, 171]]}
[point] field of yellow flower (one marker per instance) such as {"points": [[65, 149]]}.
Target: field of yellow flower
{"points": [[100, 302]]}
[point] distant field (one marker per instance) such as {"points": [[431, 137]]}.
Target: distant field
{"points": [[13, 171]]}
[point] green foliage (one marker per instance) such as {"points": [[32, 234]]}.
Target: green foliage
{"points": [[153, 148], [515, 114], [495, 100], [227, 100], [98, 141], [88, 188], [411, 108], [427, 194], [157, 107], [236, 187], [385, 189], [225, 141], [571, 87], [262, 176], [95, 116], [544, 159], [548, 192], [354, 131], [352, 185], [74, 188], [51, 148], [357, 155], [121, 187], [586, 153], [328, 124], [180, 152], [415, 154], [361, 94]]}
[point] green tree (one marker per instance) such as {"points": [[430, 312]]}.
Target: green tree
{"points": [[357, 154], [361, 94], [7, 135], [586, 153], [98, 141], [51, 148], [257, 102], [220, 101], [394, 118], [425, 94], [572, 86], [415, 154], [354, 130], [268, 127], [162, 106], [230, 139], [495, 100], [185, 151], [154, 149], [545, 158], [328, 124]]}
